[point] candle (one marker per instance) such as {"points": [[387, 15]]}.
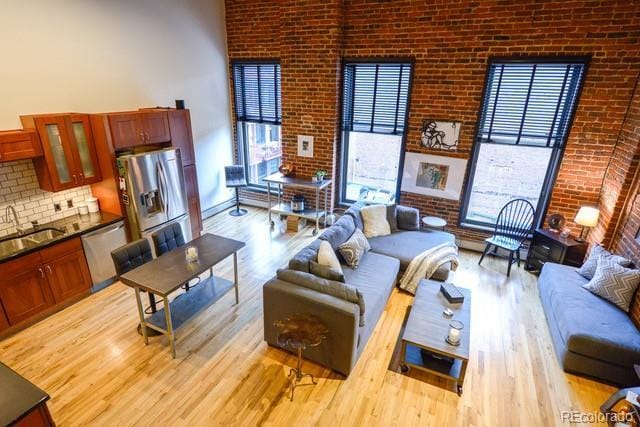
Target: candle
{"points": [[455, 330], [191, 254]]}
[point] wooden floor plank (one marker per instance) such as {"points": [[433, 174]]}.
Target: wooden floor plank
{"points": [[97, 370]]}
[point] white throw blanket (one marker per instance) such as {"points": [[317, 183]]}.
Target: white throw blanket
{"points": [[425, 264]]}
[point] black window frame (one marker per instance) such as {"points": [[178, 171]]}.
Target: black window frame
{"points": [[557, 148], [344, 132], [241, 121]]}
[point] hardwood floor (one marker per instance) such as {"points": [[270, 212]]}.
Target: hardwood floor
{"points": [[99, 372]]}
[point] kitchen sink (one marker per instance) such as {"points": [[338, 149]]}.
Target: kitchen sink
{"points": [[44, 235], [17, 244]]}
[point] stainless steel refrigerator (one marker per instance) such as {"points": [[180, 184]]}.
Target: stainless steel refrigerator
{"points": [[153, 191]]}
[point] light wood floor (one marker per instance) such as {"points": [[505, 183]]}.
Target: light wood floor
{"points": [[98, 371]]}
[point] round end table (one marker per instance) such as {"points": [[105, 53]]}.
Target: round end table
{"points": [[434, 222], [298, 332]]}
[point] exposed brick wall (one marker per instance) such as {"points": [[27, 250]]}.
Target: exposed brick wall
{"points": [[451, 43]]}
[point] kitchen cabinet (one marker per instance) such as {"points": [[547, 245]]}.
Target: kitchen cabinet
{"points": [[193, 199], [70, 158], [37, 281], [180, 128], [4, 322], [132, 129], [24, 290], [66, 269], [19, 145]]}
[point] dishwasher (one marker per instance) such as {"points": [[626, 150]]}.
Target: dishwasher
{"points": [[97, 246]]}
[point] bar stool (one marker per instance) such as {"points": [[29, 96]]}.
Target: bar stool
{"points": [[234, 176]]}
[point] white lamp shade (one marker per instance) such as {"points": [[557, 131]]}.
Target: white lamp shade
{"points": [[587, 216]]}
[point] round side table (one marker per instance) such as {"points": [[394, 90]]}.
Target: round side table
{"points": [[434, 222], [298, 332]]}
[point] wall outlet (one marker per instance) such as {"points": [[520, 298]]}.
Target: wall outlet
{"points": [[56, 207], [70, 203]]}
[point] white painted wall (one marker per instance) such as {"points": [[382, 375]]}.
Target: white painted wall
{"points": [[110, 55]]}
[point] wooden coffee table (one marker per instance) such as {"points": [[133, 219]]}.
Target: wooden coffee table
{"points": [[423, 340]]}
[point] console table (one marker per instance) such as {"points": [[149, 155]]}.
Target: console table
{"points": [[284, 209]]}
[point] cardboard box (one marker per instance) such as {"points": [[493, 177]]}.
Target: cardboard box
{"points": [[295, 224]]}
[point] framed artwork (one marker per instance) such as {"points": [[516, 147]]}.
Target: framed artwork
{"points": [[440, 135], [305, 146], [436, 176]]}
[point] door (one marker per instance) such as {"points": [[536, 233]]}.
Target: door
{"points": [[193, 198], [181, 137], [145, 191], [126, 130], [155, 126], [24, 290], [172, 183], [87, 165], [58, 153], [68, 275]]}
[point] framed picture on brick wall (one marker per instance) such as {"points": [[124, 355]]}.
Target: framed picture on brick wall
{"points": [[305, 145], [436, 176], [440, 135]]}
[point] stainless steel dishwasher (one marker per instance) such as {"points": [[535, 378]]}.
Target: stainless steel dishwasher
{"points": [[97, 246]]}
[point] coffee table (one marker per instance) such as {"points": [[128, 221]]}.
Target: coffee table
{"points": [[423, 340]]}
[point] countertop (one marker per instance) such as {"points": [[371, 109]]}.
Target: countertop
{"points": [[74, 226], [17, 396]]}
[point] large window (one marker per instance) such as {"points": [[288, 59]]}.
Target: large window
{"points": [[525, 119], [374, 111], [258, 118]]}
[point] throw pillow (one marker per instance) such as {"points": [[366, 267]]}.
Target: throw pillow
{"points": [[588, 269], [614, 282], [327, 257], [408, 218], [375, 221], [353, 249], [326, 272]]}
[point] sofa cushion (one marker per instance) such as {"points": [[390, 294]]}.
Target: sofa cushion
{"points": [[408, 218], [339, 232], [375, 222], [353, 249], [406, 245], [354, 212], [300, 261], [392, 217], [588, 269], [343, 291], [587, 324], [375, 279], [326, 272], [613, 282]]}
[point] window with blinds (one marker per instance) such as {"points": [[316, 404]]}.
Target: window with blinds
{"points": [[257, 92], [375, 97], [258, 116], [375, 104], [525, 119]]}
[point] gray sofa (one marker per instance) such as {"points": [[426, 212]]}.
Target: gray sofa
{"points": [[350, 310], [591, 336]]}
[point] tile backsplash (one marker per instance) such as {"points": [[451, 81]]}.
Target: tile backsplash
{"points": [[19, 187]]}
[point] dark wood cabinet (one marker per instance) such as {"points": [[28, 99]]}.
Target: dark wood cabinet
{"points": [[24, 290], [70, 158], [133, 129], [19, 145], [180, 127], [193, 199], [548, 246], [66, 269], [37, 281], [4, 322]]}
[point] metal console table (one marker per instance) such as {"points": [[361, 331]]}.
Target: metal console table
{"points": [[284, 209]]}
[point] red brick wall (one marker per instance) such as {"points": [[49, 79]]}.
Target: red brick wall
{"points": [[451, 42]]}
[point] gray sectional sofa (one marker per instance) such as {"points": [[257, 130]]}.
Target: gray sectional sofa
{"points": [[350, 310], [591, 336]]}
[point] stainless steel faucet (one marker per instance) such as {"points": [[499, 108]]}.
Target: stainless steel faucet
{"points": [[12, 211]]}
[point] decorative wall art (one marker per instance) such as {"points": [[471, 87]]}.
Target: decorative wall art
{"points": [[440, 135], [305, 146], [436, 176]]}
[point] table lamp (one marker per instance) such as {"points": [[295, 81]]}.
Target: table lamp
{"points": [[587, 216]]}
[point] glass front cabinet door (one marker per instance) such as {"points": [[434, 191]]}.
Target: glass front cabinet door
{"points": [[70, 158]]}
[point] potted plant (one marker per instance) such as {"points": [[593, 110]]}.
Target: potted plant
{"points": [[320, 174]]}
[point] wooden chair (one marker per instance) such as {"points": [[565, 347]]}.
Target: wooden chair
{"points": [[513, 226]]}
